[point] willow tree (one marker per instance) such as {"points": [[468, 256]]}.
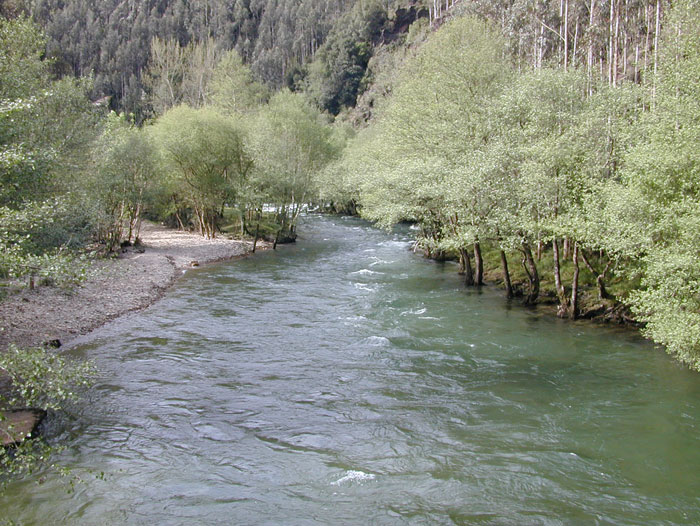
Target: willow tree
{"points": [[125, 162], [292, 144], [429, 133], [663, 173], [206, 157]]}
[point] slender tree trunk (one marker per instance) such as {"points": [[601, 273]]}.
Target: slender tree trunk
{"points": [[181, 226], [531, 270], [600, 276], [562, 309], [657, 30], [591, 26], [573, 309], [611, 42], [573, 55], [479, 265], [462, 265], [616, 49], [255, 240], [506, 275], [466, 265], [566, 35]]}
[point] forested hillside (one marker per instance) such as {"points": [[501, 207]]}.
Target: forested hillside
{"points": [[111, 40]]}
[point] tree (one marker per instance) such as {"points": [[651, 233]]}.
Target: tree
{"points": [[233, 89], [180, 75], [425, 156], [291, 145], [125, 161], [206, 154], [663, 173], [45, 127]]}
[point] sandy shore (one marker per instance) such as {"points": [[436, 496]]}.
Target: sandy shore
{"points": [[131, 282]]}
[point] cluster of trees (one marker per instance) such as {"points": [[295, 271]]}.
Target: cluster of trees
{"points": [[75, 175], [44, 126], [590, 183]]}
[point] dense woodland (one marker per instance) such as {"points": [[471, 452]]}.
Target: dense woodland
{"points": [[547, 146]]}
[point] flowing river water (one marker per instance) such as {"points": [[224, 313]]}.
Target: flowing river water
{"points": [[345, 380]]}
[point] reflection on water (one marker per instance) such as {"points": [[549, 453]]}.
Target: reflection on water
{"points": [[346, 381]]}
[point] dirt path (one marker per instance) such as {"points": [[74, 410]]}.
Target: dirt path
{"points": [[131, 282]]}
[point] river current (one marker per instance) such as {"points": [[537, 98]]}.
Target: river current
{"points": [[347, 381]]}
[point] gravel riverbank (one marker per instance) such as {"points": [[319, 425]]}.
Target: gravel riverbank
{"points": [[130, 282]]}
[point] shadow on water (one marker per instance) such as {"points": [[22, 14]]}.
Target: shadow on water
{"points": [[345, 380]]}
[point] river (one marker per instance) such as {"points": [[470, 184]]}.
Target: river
{"points": [[347, 381]]}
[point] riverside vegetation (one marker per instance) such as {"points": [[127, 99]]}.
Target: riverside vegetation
{"points": [[553, 149]]}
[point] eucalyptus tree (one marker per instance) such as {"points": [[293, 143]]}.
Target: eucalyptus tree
{"points": [[180, 74], [205, 154]]}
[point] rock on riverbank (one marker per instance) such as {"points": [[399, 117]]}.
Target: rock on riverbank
{"points": [[15, 426]]}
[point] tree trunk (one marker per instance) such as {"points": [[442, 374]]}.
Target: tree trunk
{"points": [[466, 267], [506, 275], [531, 270], [479, 265], [562, 309], [600, 276], [657, 30], [566, 35], [277, 238], [573, 309], [255, 240], [179, 221], [591, 26]]}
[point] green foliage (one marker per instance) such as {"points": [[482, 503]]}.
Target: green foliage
{"points": [[291, 144], [432, 121], [126, 173], [21, 68], [108, 38], [663, 172], [36, 241], [233, 88], [42, 379], [45, 126], [474, 152], [205, 155], [180, 75]]}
